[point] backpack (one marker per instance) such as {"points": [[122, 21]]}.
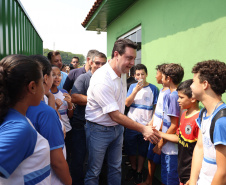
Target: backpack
{"points": [[219, 114]]}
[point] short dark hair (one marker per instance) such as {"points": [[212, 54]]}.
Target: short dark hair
{"points": [[161, 67], [175, 72], [214, 72], [140, 67], [132, 71], [16, 72], [75, 58], [121, 44], [44, 63], [185, 88], [52, 53]]}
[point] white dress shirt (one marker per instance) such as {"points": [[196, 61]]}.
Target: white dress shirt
{"points": [[106, 93]]}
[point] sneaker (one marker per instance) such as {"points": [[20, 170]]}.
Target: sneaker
{"points": [[130, 175], [138, 178]]}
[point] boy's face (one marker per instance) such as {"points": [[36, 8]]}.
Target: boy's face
{"points": [[158, 77], [165, 80], [197, 87], [184, 101], [141, 74]]}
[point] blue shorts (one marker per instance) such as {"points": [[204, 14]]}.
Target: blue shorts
{"points": [[153, 156], [169, 174], [134, 141]]}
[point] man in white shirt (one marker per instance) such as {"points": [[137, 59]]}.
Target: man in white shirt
{"points": [[104, 114]]}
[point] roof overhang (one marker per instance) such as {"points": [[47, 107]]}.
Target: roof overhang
{"points": [[103, 12]]}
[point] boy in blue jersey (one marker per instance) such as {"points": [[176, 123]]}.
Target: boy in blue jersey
{"points": [[209, 157], [153, 158], [142, 98], [171, 77]]}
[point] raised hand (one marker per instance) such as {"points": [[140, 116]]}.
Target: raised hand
{"points": [[67, 97], [58, 103]]}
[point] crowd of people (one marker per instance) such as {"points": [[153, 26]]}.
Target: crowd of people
{"points": [[53, 122]]}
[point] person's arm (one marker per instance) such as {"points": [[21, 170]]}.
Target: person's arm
{"points": [[131, 97], [60, 166], [172, 130], [52, 102], [78, 92], [69, 103], [79, 99], [169, 137], [148, 132], [220, 175], [196, 160]]}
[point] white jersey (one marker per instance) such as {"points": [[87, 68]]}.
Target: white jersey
{"points": [[63, 109], [158, 116], [141, 109], [209, 165], [35, 168]]}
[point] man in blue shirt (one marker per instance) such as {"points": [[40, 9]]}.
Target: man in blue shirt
{"points": [[55, 59], [75, 73]]}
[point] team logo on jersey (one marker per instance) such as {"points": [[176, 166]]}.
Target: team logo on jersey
{"points": [[147, 99], [188, 129]]}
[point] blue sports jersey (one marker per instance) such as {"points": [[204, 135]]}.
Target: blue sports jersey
{"points": [[141, 109], [46, 121], [170, 108], [24, 154], [209, 164]]}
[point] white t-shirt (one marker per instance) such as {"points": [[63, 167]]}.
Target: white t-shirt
{"points": [[158, 116], [106, 93], [141, 109], [63, 108], [25, 154]]}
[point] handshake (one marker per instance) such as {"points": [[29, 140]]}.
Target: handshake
{"points": [[151, 134]]}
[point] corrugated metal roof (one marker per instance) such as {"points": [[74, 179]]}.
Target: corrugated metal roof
{"points": [[103, 12]]}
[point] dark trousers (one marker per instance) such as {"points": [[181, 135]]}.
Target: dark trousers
{"points": [[78, 156]]}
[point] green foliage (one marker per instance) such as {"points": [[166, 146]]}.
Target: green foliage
{"points": [[67, 56]]}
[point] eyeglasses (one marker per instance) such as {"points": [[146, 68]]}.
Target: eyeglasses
{"points": [[56, 75], [100, 63]]}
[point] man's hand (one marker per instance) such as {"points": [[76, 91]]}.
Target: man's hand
{"points": [[151, 134]]}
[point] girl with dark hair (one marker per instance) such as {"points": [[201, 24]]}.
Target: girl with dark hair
{"points": [[63, 106], [24, 153], [46, 121]]}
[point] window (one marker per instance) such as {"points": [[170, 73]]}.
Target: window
{"points": [[135, 36]]}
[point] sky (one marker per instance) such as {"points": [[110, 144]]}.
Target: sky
{"points": [[58, 22]]}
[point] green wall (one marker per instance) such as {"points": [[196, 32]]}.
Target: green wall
{"points": [[17, 34], [177, 31]]}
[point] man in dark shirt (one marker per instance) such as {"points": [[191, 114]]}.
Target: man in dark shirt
{"points": [[130, 81], [79, 97], [75, 73]]}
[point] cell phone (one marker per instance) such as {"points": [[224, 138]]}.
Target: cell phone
{"points": [[140, 82]]}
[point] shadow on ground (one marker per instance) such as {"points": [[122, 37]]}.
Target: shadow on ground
{"points": [[125, 169]]}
